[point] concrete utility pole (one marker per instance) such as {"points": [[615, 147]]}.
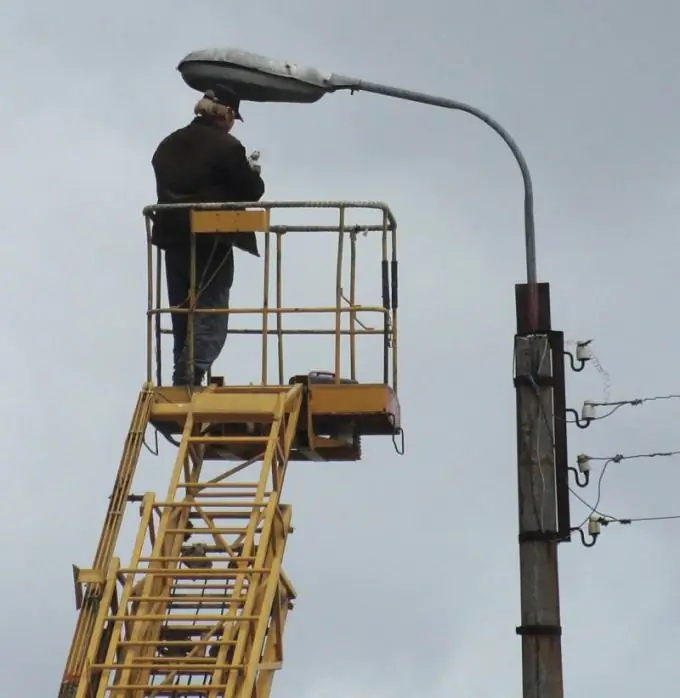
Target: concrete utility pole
{"points": [[538, 506]]}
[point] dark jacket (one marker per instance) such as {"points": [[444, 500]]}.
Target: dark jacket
{"points": [[201, 163]]}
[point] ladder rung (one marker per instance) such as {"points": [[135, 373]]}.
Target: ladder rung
{"points": [[215, 503], [200, 606], [234, 531], [188, 558], [175, 643], [181, 667], [174, 618], [197, 573], [201, 494], [223, 485], [228, 586], [195, 629], [214, 515], [120, 690], [226, 440], [189, 598], [167, 663]]}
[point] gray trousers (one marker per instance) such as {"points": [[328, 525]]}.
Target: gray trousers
{"points": [[214, 277]]}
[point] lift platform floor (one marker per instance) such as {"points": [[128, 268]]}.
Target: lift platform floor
{"points": [[338, 415]]}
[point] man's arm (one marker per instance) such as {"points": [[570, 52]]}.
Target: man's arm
{"points": [[243, 181]]}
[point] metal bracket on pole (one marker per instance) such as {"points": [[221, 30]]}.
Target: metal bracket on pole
{"points": [[557, 381]]}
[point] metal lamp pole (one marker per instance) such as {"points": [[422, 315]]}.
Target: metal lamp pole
{"points": [[543, 497], [338, 83]]}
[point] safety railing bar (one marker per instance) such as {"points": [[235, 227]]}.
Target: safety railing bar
{"points": [[158, 318], [265, 307], [149, 303], [285, 229], [240, 205], [352, 304], [395, 305], [338, 294], [293, 331], [272, 311], [279, 304], [387, 304], [190, 366]]}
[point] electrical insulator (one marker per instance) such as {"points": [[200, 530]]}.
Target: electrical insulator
{"points": [[583, 352], [588, 411], [583, 462], [594, 526]]}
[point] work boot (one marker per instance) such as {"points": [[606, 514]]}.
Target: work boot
{"points": [[180, 378]]}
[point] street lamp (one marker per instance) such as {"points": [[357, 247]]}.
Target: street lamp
{"points": [[259, 79], [539, 384]]}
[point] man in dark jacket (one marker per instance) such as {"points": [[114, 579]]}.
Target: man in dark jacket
{"points": [[202, 162]]}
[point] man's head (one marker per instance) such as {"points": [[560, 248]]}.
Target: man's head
{"points": [[221, 105]]}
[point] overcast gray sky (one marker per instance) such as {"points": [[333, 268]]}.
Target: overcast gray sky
{"points": [[406, 568]]}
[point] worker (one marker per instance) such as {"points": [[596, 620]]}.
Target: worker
{"points": [[199, 163]]}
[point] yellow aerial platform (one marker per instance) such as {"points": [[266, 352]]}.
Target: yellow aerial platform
{"points": [[200, 608]]}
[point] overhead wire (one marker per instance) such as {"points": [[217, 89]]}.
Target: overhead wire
{"points": [[618, 404], [606, 519], [593, 508], [636, 401], [603, 518], [615, 405]]}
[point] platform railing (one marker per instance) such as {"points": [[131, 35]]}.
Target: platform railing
{"points": [[380, 221]]}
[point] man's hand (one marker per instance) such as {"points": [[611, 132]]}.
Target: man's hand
{"points": [[253, 161]]}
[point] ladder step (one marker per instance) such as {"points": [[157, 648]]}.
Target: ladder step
{"points": [[203, 494], [226, 587], [223, 485], [173, 643], [189, 617], [171, 689], [197, 573], [194, 629], [192, 598], [233, 531], [226, 440], [165, 665], [214, 515], [220, 503], [222, 606], [217, 558]]}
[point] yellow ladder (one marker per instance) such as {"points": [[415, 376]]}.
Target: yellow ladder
{"points": [[200, 610], [90, 583]]}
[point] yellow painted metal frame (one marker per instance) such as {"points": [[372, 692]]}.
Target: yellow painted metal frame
{"points": [[348, 399], [207, 618], [93, 586], [210, 219], [212, 222]]}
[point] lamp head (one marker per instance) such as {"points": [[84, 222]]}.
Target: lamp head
{"points": [[253, 77]]}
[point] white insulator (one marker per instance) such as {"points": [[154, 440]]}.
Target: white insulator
{"points": [[594, 526], [583, 352], [588, 411], [583, 462]]}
